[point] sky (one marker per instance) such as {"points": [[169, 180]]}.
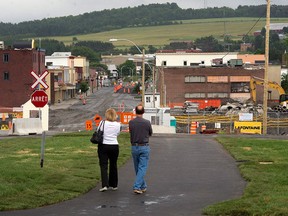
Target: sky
{"points": [[15, 11]]}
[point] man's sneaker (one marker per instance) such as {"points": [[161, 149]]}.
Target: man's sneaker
{"points": [[114, 188], [144, 190], [103, 189], [136, 191]]}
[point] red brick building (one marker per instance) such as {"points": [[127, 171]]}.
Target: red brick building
{"points": [[16, 80], [211, 83]]}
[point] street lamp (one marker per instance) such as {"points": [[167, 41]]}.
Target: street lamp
{"points": [[143, 65]]}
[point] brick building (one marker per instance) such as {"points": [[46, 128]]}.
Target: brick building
{"points": [[16, 65], [211, 83]]}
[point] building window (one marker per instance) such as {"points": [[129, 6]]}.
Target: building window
{"points": [[217, 95], [6, 75], [148, 100], [5, 57], [240, 79], [185, 63], [49, 63], [241, 87], [194, 95], [217, 79], [194, 79]]}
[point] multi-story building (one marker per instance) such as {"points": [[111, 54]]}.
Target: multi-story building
{"points": [[16, 65], [206, 84], [185, 76], [186, 58], [62, 70]]}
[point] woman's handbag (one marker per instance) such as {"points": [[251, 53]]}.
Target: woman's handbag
{"points": [[97, 136]]}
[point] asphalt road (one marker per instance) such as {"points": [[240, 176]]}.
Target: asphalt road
{"points": [[71, 115], [186, 173]]}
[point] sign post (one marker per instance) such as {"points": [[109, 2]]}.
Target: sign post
{"points": [[39, 99]]}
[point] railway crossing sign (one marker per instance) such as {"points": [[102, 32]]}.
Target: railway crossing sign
{"points": [[39, 79], [39, 98]]}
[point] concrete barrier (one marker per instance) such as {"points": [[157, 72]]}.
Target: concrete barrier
{"points": [[26, 126], [158, 129]]}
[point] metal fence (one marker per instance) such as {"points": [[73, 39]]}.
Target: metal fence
{"points": [[277, 122]]}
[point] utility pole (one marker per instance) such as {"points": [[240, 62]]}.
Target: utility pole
{"points": [[143, 78], [265, 97]]}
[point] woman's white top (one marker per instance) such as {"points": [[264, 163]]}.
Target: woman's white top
{"points": [[111, 132]]}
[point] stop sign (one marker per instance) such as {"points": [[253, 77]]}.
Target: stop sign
{"points": [[39, 98]]}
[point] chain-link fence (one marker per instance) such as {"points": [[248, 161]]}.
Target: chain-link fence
{"points": [[277, 122]]}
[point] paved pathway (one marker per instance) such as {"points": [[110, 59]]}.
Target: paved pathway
{"points": [[186, 173]]}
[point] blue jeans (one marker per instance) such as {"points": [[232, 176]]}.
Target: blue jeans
{"points": [[140, 156]]}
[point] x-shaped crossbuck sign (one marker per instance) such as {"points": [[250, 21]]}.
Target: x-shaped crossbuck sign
{"points": [[39, 79]]}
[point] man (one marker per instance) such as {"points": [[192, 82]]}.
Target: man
{"points": [[140, 130]]}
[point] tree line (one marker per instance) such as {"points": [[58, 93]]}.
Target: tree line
{"points": [[143, 15]]}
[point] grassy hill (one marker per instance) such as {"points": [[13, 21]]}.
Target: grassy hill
{"points": [[188, 30]]}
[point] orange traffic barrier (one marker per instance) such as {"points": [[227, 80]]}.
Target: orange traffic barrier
{"points": [[193, 127], [3, 117], [203, 128]]}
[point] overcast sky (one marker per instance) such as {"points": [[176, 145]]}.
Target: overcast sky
{"points": [[16, 11]]}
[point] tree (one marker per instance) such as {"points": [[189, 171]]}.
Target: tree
{"points": [[209, 44], [284, 81], [84, 87], [152, 49], [126, 68], [52, 46], [85, 51], [259, 44]]}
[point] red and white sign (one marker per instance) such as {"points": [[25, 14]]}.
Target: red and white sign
{"points": [[39, 98], [39, 79]]}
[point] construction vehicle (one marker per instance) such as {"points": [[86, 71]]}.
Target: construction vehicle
{"points": [[283, 97]]}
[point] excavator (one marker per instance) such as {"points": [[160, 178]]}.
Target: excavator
{"points": [[283, 99]]}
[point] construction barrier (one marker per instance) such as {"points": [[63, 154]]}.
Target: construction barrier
{"points": [[193, 127], [203, 128], [27, 126]]}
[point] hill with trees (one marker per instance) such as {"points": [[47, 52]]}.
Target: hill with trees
{"points": [[144, 15]]}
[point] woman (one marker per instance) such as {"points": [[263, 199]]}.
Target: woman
{"points": [[108, 151]]}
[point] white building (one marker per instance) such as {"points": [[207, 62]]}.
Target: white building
{"points": [[183, 58]]}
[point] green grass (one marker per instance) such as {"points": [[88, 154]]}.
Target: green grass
{"points": [[70, 168], [188, 30], [266, 193]]}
